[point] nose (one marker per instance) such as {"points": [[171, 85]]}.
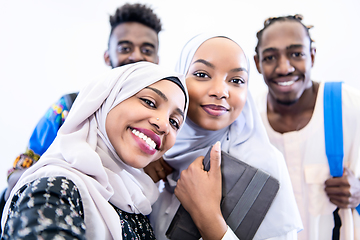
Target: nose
{"points": [[136, 55], [219, 88], [161, 123], [284, 66]]}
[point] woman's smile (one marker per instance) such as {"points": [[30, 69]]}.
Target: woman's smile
{"points": [[214, 110], [147, 140]]}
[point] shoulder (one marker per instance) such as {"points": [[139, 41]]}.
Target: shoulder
{"points": [[351, 102], [60, 109], [60, 187], [48, 207], [351, 95]]}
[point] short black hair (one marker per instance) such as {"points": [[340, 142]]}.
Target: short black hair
{"points": [[296, 18], [135, 13]]}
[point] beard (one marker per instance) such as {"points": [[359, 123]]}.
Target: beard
{"points": [[287, 102]]}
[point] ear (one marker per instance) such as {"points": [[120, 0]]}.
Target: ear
{"points": [[257, 63], [312, 53], [107, 58]]}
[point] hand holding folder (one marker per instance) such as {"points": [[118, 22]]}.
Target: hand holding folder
{"points": [[247, 194]]}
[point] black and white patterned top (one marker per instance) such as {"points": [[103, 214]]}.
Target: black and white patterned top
{"points": [[51, 208]]}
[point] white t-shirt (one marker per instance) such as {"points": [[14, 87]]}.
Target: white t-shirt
{"points": [[305, 156]]}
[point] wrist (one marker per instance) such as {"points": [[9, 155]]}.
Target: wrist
{"points": [[212, 225]]}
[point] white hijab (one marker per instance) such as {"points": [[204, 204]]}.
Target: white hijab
{"points": [[83, 152], [245, 139]]}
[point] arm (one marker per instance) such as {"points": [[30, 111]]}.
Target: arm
{"points": [[200, 194], [49, 208], [344, 191]]}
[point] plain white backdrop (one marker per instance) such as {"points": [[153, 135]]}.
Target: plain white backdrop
{"points": [[49, 48]]}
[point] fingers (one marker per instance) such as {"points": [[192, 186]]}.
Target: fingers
{"points": [[161, 173], [158, 170], [337, 181], [340, 203], [152, 173], [166, 167], [215, 158]]}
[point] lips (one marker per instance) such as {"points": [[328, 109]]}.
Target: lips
{"points": [[147, 139], [214, 110]]}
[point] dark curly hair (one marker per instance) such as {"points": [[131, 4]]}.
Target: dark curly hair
{"points": [[296, 18], [135, 13]]}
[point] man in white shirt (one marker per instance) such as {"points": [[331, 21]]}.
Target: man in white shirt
{"points": [[292, 112]]}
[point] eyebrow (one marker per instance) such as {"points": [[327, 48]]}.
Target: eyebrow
{"points": [[240, 69], [271, 49], [205, 63], [162, 95], [129, 42]]}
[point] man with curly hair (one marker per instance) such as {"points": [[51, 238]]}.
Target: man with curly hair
{"points": [[133, 38]]}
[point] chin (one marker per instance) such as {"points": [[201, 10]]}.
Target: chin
{"points": [[139, 165], [213, 125], [138, 162]]}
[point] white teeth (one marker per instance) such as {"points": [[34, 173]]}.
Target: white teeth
{"points": [[147, 139], [285, 83]]}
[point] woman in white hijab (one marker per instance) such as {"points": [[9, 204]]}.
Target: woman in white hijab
{"points": [[220, 109], [90, 183]]}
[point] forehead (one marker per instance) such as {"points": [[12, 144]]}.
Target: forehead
{"points": [[222, 50], [280, 35], [135, 33]]}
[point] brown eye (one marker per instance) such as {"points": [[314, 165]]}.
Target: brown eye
{"points": [[200, 75], [174, 123], [148, 102], [147, 51], [123, 49], [269, 58], [297, 54], [237, 80]]}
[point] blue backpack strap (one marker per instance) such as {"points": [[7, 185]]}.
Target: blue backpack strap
{"points": [[333, 127]]}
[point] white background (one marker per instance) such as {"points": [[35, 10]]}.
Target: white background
{"points": [[49, 48]]}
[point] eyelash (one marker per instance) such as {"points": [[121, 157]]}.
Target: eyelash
{"points": [[197, 74], [151, 104], [240, 80], [201, 75], [174, 123], [148, 102]]}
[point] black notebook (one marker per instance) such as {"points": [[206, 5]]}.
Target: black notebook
{"points": [[247, 194]]}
